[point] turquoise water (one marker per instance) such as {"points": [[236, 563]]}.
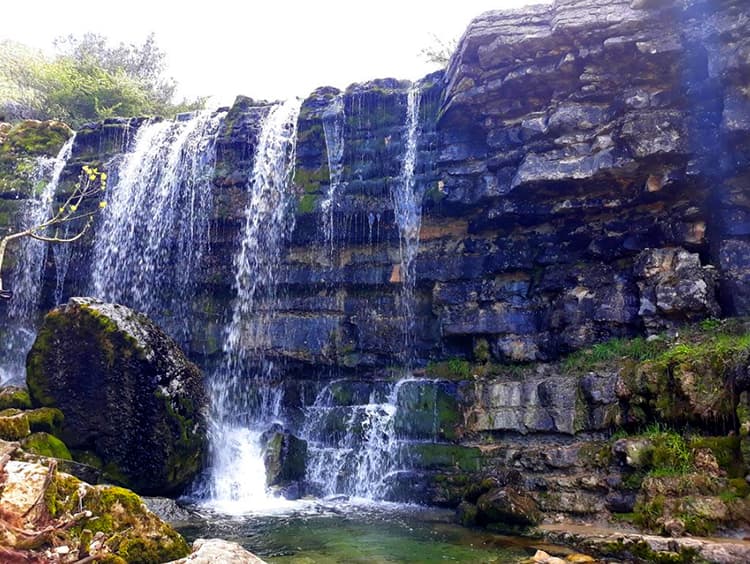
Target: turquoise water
{"points": [[367, 534]]}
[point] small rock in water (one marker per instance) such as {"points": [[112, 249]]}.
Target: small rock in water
{"points": [[579, 558], [540, 556], [217, 551]]}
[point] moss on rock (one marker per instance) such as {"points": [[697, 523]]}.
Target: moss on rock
{"points": [[45, 444], [32, 137], [128, 394], [14, 397], [133, 532], [14, 426], [45, 419]]}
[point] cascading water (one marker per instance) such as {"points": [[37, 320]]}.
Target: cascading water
{"points": [[333, 131], [62, 255], [244, 400], [407, 208], [156, 222], [360, 460], [26, 284]]}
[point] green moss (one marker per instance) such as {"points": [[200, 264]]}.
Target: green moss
{"points": [[640, 551], [310, 180], [726, 450], [437, 455], [427, 409], [601, 354], [307, 203], [132, 532], [647, 513], [14, 397], [671, 453], [595, 453], [45, 444], [45, 419], [36, 138], [453, 369], [739, 487], [187, 451], [14, 427]]}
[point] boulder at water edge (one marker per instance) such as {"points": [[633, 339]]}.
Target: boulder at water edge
{"points": [[133, 403]]}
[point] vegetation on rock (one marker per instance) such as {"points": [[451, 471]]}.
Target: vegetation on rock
{"points": [[44, 509]]}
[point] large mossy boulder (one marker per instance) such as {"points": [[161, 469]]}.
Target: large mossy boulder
{"points": [[130, 397]]}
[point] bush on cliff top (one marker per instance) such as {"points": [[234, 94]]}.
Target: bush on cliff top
{"points": [[86, 80]]}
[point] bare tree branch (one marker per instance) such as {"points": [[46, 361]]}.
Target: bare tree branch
{"points": [[91, 184]]}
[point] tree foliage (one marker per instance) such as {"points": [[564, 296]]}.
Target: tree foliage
{"points": [[86, 80]]}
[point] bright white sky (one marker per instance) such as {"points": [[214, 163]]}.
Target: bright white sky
{"points": [[270, 49]]}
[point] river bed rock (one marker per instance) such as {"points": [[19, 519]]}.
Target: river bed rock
{"points": [[217, 551]]}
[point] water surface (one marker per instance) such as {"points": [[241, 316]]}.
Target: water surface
{"points": [[350, 533]]}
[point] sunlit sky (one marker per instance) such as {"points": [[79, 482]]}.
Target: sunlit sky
{"points": [[270, 49]]}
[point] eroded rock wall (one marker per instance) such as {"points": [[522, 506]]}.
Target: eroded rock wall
{"points": [[584, 170]]}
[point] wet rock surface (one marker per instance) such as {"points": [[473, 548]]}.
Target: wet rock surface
{"points": [[217, 551]]}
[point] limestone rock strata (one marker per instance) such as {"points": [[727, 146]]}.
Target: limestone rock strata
{"points": [[561, 144]]}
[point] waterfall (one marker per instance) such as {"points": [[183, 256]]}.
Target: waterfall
{"points": [[333, 131], [359, 447], [62, 255], [26, 284], [156, 222], [407, 208], [360, 460], [243, 396]]}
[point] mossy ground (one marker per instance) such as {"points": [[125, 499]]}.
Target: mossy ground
{"points": [[133, 533], [688, 483]]}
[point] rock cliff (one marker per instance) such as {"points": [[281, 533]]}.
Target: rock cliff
{"points": [[583, 167]]}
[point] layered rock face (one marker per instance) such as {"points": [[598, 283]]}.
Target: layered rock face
{"points": [[563, 147], [583, 173]]}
